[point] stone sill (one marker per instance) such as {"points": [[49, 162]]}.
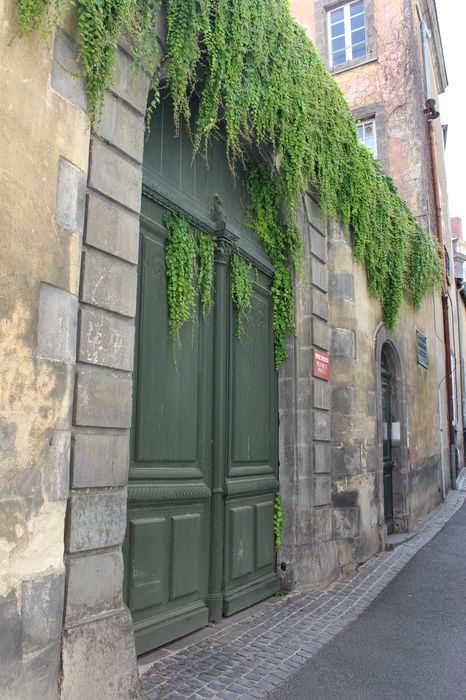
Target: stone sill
{"points": [[349, 65]]}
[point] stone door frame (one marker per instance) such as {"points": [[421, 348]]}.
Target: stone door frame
{"points": [[98, 653]]}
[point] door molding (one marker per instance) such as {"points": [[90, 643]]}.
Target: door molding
{"points": [[156, 492], [222, 229]]}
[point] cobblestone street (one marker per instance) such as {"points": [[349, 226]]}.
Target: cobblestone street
{"points": [[250, 657]]}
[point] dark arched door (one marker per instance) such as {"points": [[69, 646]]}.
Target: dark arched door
{"points": [[387, 441], [204, 466]]}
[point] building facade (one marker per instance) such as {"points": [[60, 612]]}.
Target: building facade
{"points": [[387, 58], [137, 492]]}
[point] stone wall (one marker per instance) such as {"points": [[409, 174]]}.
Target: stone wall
{"points": [[308, 552], [331, 465], [387, 84], [44, 143], [357, 336], [71, 246], [95, 616]]}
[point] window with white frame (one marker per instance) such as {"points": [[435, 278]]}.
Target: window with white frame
{"points": [[367, 134], [347, 32]]}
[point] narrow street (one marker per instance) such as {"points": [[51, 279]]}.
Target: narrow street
{"points": [[393, 629], [409, 643]]}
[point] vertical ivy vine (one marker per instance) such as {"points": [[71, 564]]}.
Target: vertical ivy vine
{"points": [[282, 242], [189, 261], [241, 289], [278, 520], [205, 279], [180, 259]]}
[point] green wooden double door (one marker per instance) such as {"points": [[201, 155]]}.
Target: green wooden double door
{"points": [[203, 468]]}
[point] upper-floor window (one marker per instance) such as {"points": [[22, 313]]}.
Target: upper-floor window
{"points": [[366, 134], [347, 32]]}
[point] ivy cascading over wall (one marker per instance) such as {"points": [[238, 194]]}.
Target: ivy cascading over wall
{"points": [[259, 78]]}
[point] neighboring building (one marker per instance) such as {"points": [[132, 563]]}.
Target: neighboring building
{"points": [[457, 228], [82, 273], [383, 73], [387, 57]]}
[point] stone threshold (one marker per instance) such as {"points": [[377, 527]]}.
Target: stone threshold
{"points": [[249, 655], [461, 480], [396, 538]]}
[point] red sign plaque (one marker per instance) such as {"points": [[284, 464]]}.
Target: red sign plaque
{"points": [[321, 365]]}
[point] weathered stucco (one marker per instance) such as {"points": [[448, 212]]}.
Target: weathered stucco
{"points": [[34, 400], [39, 278], [356, 448]]}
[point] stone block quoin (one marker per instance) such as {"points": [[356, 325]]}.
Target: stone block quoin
{"points": [[96, 515], [66, 68], [305, 426], [324, 555]]}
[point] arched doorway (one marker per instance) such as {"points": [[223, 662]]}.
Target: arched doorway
{"points": [[203, 465], [393, 431], [387, 440]]}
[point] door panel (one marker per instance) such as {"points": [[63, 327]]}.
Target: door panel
{"points": [[166, 430], [388, 495], [187, 541], [250, 529], [168, 539], [167, 549], [149, 562], [241, 540], [249, 565], [169, 434], [253, 382], [264, 540]]}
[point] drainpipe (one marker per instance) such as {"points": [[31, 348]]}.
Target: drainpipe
{"points": [[445, 310], [459, 290], [432, 114], [440, 411]]}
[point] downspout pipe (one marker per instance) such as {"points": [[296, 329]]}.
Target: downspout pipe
{"points": [[432, 114], [445, 309]]}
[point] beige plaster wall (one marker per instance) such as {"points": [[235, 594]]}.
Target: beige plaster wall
{"points": [[304, 12], [38, 128]]}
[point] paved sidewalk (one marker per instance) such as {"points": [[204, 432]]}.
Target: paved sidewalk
{"points": [[249, 658], [409, 643]]}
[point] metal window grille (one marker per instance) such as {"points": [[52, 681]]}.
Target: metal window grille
{"points": [[422, 356]]}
